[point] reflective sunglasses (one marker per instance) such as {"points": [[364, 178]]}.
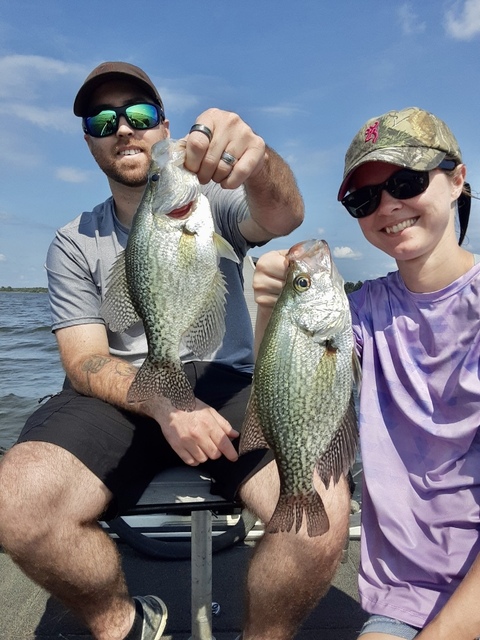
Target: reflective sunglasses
{"points": [[403, 184], [139, 116]]}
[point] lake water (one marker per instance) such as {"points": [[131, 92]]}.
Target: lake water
{"points": [[30, 366]]}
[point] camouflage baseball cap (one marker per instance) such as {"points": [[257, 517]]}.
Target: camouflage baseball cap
{"points": [[410, 138]]}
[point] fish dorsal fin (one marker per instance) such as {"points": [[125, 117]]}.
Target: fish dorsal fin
{"points": [[208, 331], [117, 308]]}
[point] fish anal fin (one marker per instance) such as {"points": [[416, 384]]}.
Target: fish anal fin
{"points": [[340, 455], [292, 509], [252, 437], [165, 380]]}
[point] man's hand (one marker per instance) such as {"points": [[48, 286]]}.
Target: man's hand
{"points": [[197, 435], [230, 135]]}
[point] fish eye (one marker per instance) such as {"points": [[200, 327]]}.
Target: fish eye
{"points": [[155, 177], [302, 282]]}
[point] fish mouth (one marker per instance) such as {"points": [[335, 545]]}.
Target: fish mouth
{"points": [[309, 250], [182, 212], [315, 257]]}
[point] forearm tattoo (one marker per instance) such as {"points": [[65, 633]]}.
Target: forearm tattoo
{"points": [[95, 364]]}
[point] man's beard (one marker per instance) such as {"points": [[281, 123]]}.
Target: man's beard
{"points": [[130, 178]]}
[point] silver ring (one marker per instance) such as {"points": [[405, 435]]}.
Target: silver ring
{"points": [[228, 158], [201, 128]]}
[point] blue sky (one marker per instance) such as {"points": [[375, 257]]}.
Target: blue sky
{"points": [[305, 75]]}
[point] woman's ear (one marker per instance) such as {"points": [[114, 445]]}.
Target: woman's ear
{"points": [[458, 180]]}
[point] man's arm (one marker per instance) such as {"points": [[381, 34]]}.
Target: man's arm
{"points": [[195, 436], [276, 206], [275, 203]]}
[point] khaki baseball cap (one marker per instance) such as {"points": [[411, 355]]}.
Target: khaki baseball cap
{"points": [[112, 71], [411, 138]]}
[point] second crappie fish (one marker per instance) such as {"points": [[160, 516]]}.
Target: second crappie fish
{"points": [[169, 277], [301, 404]]}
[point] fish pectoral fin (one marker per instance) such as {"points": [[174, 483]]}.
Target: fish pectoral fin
{"points": [[340, 455], [207, 333], [291, 509], [165, 379], [224, 248], [251, 437], [117, 308]]}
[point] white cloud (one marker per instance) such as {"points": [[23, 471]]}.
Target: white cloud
{"points": [[29, 84], [5, 217], [463, 21], [47, 118], [346, 253], [409, 20], [307, 162], [26, 77], [176, 100], [282, 110], [3, 257], [71, 174]]}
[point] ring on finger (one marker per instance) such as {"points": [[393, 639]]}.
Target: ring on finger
{"points": [[228, 158], [202, 128]]}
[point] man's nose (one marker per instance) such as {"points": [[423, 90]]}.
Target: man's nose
{"points": [[124, 129]]}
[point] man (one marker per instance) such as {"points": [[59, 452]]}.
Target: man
{"points": [[87, 452]]}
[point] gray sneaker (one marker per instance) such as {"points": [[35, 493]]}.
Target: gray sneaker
{"points": [[154, 617]]}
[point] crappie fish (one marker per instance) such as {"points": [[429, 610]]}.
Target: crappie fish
{"points": [[169, 277], [301, 403]]}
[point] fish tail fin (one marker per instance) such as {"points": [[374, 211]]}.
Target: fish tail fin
{"points": [[283, 517], [290, 510], [162, 379]]}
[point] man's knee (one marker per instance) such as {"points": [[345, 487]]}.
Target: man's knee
{"points": [[260, 492], [40, 485]]}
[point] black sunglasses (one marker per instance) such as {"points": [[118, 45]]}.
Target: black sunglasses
{"points": [[139, 116], [403, 184]]}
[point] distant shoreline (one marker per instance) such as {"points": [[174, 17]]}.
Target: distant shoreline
{"points": [[23, 290]]}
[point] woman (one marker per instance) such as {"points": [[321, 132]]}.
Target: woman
{"points": [[417, 336]]}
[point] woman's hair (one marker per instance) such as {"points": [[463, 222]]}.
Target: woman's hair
{"points": [[464, 202]]}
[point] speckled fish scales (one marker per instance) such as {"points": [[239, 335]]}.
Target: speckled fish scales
{"points": [[169, 278], [301, 403]]}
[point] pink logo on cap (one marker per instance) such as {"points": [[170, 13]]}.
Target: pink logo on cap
{"points": [[371, 134]]}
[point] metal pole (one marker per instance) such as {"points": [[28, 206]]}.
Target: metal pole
{"points": [[201, 576]]}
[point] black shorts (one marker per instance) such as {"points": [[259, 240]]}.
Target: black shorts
{"points": [[126, 450]]}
